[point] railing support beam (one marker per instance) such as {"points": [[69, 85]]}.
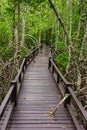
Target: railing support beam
{"points": [[14, 93], [58, 78], [49, 64], [67, 101]]}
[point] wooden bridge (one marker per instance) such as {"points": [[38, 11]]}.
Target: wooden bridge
{"points": [[33, 94]]}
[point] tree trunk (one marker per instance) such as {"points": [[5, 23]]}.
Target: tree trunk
{"points": [[70, 46], [14, 8], [18, 26], [23, 32], [70, 32], [84, 43]]}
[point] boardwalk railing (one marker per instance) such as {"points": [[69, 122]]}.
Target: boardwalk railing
{"points": [[10, 99], [67, 90]]}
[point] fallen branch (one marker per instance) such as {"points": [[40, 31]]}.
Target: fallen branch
{"points": [[58, 105]]}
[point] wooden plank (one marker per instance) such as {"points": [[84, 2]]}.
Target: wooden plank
{"points": [[46, 118], [37, 112], [51, 125], [41, 121], [47, 128]]}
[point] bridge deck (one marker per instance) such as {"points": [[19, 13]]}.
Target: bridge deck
{"points": [[38, 95]]}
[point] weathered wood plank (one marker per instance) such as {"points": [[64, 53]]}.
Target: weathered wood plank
{"points": [[41, 125], [46, 128]]}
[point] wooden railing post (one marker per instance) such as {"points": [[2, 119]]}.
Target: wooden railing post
{"points": [[26, 61], [14, 93], [23, 68], [67, 101], [20, 78], [58, 77], [37, 51], [49, 64], [53, 69], [33, 54]]}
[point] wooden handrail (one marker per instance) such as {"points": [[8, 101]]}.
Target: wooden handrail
{"points": [[13, 90], [58, 72], [68, 90], [78, 103], [4, 103], [20, 70]]}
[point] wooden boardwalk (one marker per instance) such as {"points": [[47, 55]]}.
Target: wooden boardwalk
{"points": [[38, 95]]}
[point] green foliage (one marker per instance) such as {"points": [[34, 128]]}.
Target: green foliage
{"points": [[6, 52], [5, 34], [24, 52], [30, 41], [61, 46], [61, 58]]}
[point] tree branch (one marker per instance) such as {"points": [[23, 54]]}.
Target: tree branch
{"points": [[60, 20]]}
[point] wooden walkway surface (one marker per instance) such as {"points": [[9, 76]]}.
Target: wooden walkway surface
{"points": [[38, 95]]}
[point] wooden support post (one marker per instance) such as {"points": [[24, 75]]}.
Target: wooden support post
{"points": [[49, 64], [20, 77], [37, 51], [23, 69], [26, 58], [14, 93], [53, 69], [33, 54], [67, 101], [58, 78]]}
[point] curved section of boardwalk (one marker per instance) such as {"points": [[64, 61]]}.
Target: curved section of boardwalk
{"points": [[38, 95]]}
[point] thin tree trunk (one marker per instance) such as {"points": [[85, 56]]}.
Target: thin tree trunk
{"points": [[79, 25], [70, 32], [39, 37], [18, 24], [13, 37], [23, 32], [70, 45], [84, 43], [57, 31], [18, 39], [40, 32]]}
